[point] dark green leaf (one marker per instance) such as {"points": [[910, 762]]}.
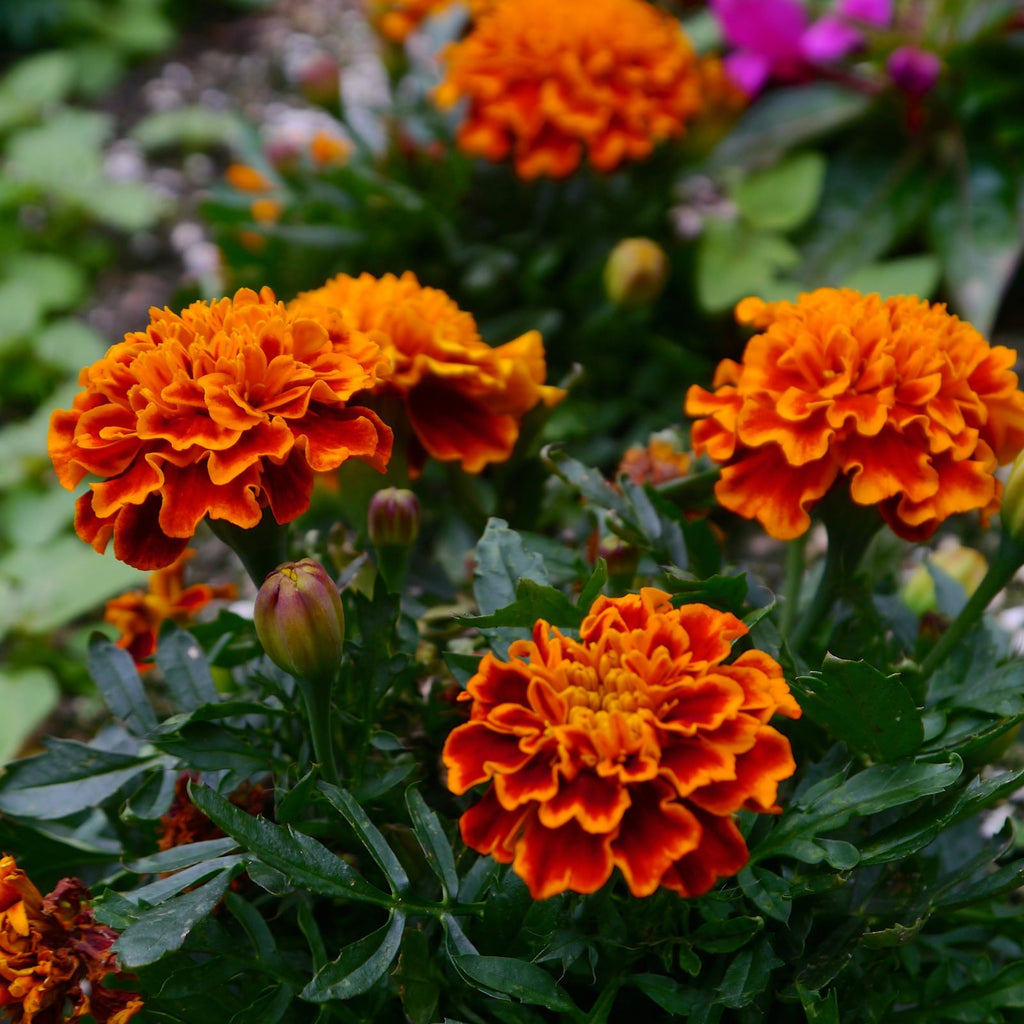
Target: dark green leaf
{"points": [[999, 691], [769, 892], [437, 848], [417, 978], [819, 1010], [359, 967], [178, 857], [533, 601], [369, 835], [592, 588], [748, 975], [164, 928], [523, 981], [255, 927], [726, 936], [114, 672], [164, 888], [295, 803], [305, 862], [727, 593], [589, 482], [501, 563], [666, 992], [185, 669], [212, 747], [867, 710], [267, 1008]]}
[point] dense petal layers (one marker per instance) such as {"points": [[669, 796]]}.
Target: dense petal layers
{"points": [[907, 404], [462, 398], [54, 956], [631, 747], [222, 411], [551, 81]]}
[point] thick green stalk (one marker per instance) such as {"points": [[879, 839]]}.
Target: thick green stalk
{"points": [[317, 699], [1008, 559], [261, 550], [795, 565]]}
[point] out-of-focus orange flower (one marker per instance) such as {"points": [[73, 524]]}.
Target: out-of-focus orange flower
{"points": [[184, 823], [54, 956], [631, 747], [247, 179], [551, 81], [464, 399], [396, 19], [721, 94], [329, 150], [139, 614], [266, 211], [224, 410], [906, 402], [658, 463]]}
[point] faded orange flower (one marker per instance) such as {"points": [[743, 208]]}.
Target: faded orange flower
{"points": [[224, 410], [631, 747], [266, 211], [657, 463], [184, 823], [54, 956], [550, 82], [247, 179], [463, 399], [908, 404], [139, 614], [329, 150]]}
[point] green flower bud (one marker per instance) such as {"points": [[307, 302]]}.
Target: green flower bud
{"points": [[1011, 511], [300, 621], [394, 518], [636, 272]]}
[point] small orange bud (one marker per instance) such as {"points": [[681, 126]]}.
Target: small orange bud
{"points": [[636, 272], [299, 620]]}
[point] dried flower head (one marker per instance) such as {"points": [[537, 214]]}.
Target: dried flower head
{"points": [[463, 399], [631, 747], [549, 82], [54, 957], [224, 410], [139, 614], [906, 402]]}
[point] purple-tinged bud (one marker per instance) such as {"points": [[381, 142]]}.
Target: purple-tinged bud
{"points": [[394, 518], [912, 70], [300, 622], [636, 272]]}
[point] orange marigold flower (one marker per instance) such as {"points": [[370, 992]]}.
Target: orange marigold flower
{"points": [[905, 401], [224, 410], [658, 463], [139, 614], [551, 80], [463, 399], [54, 956], [184, 823], [266, 211], [396, 19], [247, 179], [326, 149], [631, 747]]}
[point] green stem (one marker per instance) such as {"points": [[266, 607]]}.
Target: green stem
{"points": [[317, 698], [795, 552], [261, 549], [822, 601], [1009, 558]]}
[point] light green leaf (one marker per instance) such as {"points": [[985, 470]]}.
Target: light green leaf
{"points": [[733, 262], [501, 562], [908, 275], [27, 695], [782, 197]]}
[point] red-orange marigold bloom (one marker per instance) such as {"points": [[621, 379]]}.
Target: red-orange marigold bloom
{"points": [[223, 410], [139, 614], [54, 956], [631, 747], [907, 402], [463, 399], [549, 81], [660, 461]]}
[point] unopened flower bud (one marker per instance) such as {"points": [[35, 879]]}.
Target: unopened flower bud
{"points": [[621, 558], [1011, 511], [962, 564], [394, 518], [636, 272], [299, 620], [912, 70]]}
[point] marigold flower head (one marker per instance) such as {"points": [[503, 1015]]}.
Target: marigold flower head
{"points": [[54, 956], [549, 81], [247, 179], [903, 400], [631, 747], [184, 823], [657, 463], [224, 410], [463, 399], [326, 149], [139, 614], [396, 19]]}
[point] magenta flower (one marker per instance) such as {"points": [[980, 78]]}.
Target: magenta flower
{"points": [[912, 70]]}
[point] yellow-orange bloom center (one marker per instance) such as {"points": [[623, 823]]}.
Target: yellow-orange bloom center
{"points": [[224, 410], [549, 81], [906, 402], [631, 747], [463, 399]]}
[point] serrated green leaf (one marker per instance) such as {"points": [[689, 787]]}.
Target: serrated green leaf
{"points": [[435, 844], [369, 835], [533, 601], [307, 863], [185, 669], [178, 857], [501, 563], [819, 1010], [867, 710], [359, 967], [113, 671], [593, 587], [523, 981], [727, 593], [748, 975], [781, 197]]}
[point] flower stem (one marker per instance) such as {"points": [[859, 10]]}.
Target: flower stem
{"points": [[317, 699], [795, 564], [1008, 559], [261, 549]]}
